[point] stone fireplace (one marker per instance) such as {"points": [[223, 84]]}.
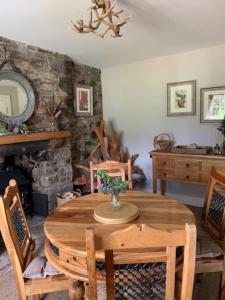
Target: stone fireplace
{"points": [[49, 167], [51, 171], [51, 74]]}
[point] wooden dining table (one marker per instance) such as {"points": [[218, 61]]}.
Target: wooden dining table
{"points": [[65, 246]]}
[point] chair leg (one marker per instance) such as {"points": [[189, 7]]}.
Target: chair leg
{"points": [[178, 284]]}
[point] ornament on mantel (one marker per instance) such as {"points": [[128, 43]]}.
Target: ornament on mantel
{"points": [[53, 111]]}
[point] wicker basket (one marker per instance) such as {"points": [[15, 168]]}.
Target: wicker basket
{"points": [[66, 196], [163, 142]]}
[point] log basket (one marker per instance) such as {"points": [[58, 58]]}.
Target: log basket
{"points": [[163, 142]]}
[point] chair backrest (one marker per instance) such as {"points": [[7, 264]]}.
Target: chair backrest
{"points": [[214, 206], [15, 231], [113, 169], [157, 278]]}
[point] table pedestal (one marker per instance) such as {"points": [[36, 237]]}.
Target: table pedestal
{"points": [[76, 291]]}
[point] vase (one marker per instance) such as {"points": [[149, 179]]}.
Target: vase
{"points": [[54, 125], [115, 200]]}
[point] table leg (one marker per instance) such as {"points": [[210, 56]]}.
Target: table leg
{"points": [[76, 291], [163, 186], [154, 183]]}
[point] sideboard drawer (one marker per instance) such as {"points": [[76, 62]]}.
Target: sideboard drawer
{"points": [[166, 174], [164, 162], [189, 164], [188, 176]]}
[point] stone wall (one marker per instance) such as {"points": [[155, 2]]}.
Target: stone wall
{"points": [[50, 73], [51, 170], [56, 74]]}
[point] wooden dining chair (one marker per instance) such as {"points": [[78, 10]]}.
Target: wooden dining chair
{"points": [[149, 278], [210, 229], [21, 248], [113, 169]]}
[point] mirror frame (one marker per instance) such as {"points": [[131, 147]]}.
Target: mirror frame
{"points": [[15, 76]]}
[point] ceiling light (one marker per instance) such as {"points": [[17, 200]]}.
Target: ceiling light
{"points": [[102, 19]]}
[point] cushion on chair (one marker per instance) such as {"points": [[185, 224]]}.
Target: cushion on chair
{"points": [[39, 267], [35, 269], [39, 247], [49, 270], [206, 247]]}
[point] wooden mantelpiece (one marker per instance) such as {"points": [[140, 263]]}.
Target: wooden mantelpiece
{"points": [[33, 137]]}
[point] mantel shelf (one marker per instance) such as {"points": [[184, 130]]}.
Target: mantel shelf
{"points": [[33, 137]]}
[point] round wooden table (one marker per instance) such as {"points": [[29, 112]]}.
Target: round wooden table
{"points": [[65, 230]]}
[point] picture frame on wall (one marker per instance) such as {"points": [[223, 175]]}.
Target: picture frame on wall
{"points": [[181, 98], [212, 104], [83, 102]]}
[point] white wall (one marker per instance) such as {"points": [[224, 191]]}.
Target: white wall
{"points": [[135, 101]]}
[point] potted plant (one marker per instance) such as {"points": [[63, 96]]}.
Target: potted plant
{"points": [[113, 186], [3, 129], [222, 130]]}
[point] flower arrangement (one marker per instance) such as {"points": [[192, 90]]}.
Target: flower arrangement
{"points": [[13, 127], [113, 186], [222, 127], [3, 129], [17, 127]]}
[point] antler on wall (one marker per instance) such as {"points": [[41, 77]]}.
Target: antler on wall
{"points": [[101, 13]]}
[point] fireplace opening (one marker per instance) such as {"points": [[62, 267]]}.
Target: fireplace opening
{"points": [[8, 171]]}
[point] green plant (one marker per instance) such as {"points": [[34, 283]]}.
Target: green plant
{"points": [[110, 185], [2, 128], [17, 127], [23, 129], [222, 126]]}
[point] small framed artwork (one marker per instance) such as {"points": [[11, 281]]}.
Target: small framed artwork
{"points": [[181, 98], [83, 101], [212, 104]]}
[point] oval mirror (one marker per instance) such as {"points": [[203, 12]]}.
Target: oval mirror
{"points": [[16, 97]]}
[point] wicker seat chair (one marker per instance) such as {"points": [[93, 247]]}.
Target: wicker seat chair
{"points": [[210, 229], [24, 252], [113, 169], [153, 275]]}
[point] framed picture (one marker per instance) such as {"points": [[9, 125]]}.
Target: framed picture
{"points": [[83, 101], [212, 104], [181, 98]]}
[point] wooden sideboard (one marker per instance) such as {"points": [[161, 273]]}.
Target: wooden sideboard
{"points": [[186, 168]]}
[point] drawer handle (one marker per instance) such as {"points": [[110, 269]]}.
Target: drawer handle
{"points": [[164, 163], [188, 177], [164, 174], [187, 165]]}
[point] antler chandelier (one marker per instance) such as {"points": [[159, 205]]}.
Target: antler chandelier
{"points": [[101, 14]]}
